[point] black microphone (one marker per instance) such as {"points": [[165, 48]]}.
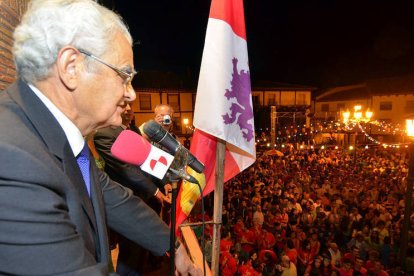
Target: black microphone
{"points": [[158, 134]]}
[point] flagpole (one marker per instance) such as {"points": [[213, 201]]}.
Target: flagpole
{"points": [[218, 204]]}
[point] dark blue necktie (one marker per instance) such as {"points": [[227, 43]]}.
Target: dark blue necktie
{"points": [[83, 162]]}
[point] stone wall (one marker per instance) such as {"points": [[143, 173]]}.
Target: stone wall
{"points": [[10, 14]]}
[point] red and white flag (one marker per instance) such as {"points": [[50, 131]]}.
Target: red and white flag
{"points": [[223, 107]]}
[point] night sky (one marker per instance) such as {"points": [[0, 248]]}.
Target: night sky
{"points": [[320, 43]]}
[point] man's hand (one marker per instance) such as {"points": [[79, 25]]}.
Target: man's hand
{"points": [[183, 265], [167, 188], [159, 118], [168, 191], [162, 198]]}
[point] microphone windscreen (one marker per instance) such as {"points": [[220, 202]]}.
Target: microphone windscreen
{"points": [[154, 131], [131, 148]]}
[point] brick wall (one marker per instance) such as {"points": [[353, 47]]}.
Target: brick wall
{"points": [[10, 14]]}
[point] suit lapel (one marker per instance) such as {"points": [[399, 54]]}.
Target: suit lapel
{"points": [[54, 137]]}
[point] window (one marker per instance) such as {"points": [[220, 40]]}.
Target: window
{"points": [[340, 106], [174, 101], [409, 106], [325, 108], [145, 102], [271, 99], [301, 99], [385, 105]]}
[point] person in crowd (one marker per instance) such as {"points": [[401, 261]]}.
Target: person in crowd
{"points": [[132, 257], [246, 267], [306, 256], [359, 266], [164, 116], [258, 217], [335, 254], [74, 63], [228, 262], [287, 267], [359, 242], [315, 268], [346, 268], [379, 269], [291, 251]]}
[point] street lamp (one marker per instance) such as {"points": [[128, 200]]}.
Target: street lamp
{"points": [[408, 194], [356, 118]]}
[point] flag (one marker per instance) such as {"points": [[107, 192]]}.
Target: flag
{"points": [[223, 108]]}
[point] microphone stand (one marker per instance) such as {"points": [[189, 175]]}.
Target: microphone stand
{"points": [[180, 161], [174, 192]]}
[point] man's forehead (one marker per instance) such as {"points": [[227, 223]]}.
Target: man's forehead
{"points": [[164, 110]]}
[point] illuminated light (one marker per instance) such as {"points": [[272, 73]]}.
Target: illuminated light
{"points": [[186, 121], [346, 115], [385, 145], [358, 115], [406, 146], [283, 145], [301, 147], [357, 108], [336, 147], [409, 125], [351, 147], [398, 146], [268, 144], [366, 147], [322, 147], [311, 147]]}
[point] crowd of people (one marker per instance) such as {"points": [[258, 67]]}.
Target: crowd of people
{"points": [[316, 212]]}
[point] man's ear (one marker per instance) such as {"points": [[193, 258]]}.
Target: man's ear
{"points": [[69, 64]]}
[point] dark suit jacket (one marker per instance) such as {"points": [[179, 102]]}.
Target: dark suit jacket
{"points": [[48, 224], [127, 175]]}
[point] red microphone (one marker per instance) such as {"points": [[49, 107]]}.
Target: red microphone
{"points": [[134, 149]]}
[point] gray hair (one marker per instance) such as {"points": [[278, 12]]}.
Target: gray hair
{"points": [[49, 25]]}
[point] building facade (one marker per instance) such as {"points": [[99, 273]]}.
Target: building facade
{"points": [[390, 99], [10, 14], [287, 99]]}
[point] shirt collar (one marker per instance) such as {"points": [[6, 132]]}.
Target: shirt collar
{"points": [[72, 132]]}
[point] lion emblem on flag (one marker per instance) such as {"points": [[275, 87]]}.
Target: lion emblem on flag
{"points": [[241, 110]]}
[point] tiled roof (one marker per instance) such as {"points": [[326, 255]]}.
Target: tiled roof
{"points": [[374, 87]]}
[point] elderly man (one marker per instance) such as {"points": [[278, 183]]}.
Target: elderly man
{"points": [[75, 65]]}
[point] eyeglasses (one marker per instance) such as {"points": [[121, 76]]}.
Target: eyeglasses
{"points": [[127, 76]]}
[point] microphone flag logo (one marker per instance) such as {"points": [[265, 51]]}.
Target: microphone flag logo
{"points": [[157, 162], [154, 162]]}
